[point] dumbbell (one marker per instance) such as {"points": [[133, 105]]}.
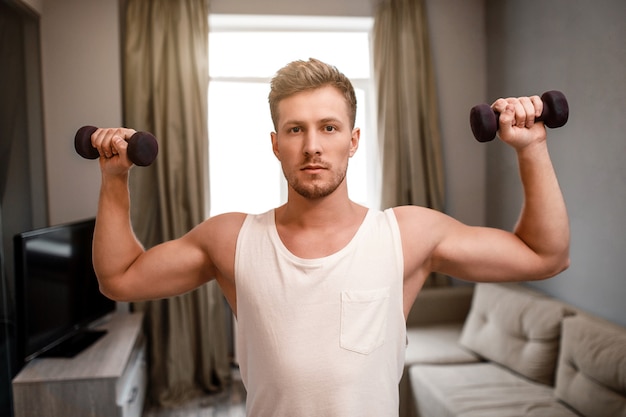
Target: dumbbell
{"points": [[142, 146], [485, 121]]}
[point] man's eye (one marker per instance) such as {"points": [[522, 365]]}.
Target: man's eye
{"points": [[295, 130], [329, 128]]}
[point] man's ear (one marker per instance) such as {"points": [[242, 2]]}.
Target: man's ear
{"points": [[274, 137], [354, 141]]}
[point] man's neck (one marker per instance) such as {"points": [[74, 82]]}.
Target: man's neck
{"points": [[314, 228], [333, 210]]}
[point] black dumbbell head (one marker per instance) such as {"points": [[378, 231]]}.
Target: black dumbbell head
{"points": [[556, 109], [484, 122], [142, 148], [82, 142]]}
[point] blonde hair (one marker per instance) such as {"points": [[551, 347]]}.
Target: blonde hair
{"points": [[298, 76]]}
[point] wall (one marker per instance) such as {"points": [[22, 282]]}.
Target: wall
{"points": [[35, 5], [81, 85], [23, 200], [459, 50], [297, 7], [577, 47]]}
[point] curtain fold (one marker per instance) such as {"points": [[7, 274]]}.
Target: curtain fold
{"points": [[165, 92], [408, 118]]}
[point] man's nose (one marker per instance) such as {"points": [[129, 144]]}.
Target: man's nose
{"points": [[312, 143]]}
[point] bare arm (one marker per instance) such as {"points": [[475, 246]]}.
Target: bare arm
{"points": [[538, 248], [125, 270], [543, 225]]}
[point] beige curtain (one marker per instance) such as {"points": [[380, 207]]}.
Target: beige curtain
{"points": [[408, 120], [165, 92]]}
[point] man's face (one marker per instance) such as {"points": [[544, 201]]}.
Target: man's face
{"points": [[314, 141]]}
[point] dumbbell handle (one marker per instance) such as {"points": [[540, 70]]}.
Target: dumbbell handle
{"points": [[142, 146], [484, 121]]}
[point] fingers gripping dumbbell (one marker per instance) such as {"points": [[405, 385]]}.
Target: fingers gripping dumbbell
{"points": [[485, 121], [142, 146]]}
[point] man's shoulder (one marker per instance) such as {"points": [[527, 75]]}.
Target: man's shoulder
{"points": [[411, 213], [223, 226], [421, 222], [226, 222]]}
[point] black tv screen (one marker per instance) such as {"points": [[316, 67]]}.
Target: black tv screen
{"points": [[57, 291]]}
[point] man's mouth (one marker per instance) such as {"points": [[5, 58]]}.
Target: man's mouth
{"points": [[313, 167]]}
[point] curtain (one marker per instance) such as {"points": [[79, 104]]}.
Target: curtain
{"points": [[408, 119], [165, 92]]}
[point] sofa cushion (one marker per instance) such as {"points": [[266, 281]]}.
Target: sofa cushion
{"points": [[480, 390], [515, 327], [437, 305], [591, 375], [437, 344]]}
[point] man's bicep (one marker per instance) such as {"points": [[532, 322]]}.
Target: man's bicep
{"points": [[169, 269], [484, 254]]}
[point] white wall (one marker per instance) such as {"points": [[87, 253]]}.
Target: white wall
{"points": [[81, 85]]}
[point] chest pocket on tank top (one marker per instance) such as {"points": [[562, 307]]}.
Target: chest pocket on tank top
{"points": [[364, 319]]}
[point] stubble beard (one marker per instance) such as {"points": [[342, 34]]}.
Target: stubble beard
{"points": [[315, 187]]}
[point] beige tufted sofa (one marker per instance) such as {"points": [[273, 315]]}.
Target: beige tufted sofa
{"points": [[507, 350]]}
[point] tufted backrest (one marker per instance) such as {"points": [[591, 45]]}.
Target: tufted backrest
{"points": [[516, 327], [591, 376]]}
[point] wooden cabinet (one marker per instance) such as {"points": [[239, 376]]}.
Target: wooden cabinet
{"points": [[108, 379]]}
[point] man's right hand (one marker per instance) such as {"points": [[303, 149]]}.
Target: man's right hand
{"points": [[112, 146]]}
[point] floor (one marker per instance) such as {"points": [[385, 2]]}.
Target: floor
{"points": [[229, 403]]}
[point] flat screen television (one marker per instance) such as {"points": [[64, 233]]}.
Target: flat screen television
{"points": [[57, 294]]}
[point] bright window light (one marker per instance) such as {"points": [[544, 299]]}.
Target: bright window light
{"points": [[244, 53]]}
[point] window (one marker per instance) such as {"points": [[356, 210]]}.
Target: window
{"points": [[244, 54]]}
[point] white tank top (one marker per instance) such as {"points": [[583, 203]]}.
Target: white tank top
{"points": [[321, 337]]}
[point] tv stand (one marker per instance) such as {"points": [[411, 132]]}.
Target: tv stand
{"points": [[108, 378], [74, 344]]}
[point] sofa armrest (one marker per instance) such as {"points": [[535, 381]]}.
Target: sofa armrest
{"points": [[435, 305]]}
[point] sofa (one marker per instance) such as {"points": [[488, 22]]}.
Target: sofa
{"points": [[508, 350]]}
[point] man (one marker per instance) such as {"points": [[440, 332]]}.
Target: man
{"points": [[321, 286]]}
